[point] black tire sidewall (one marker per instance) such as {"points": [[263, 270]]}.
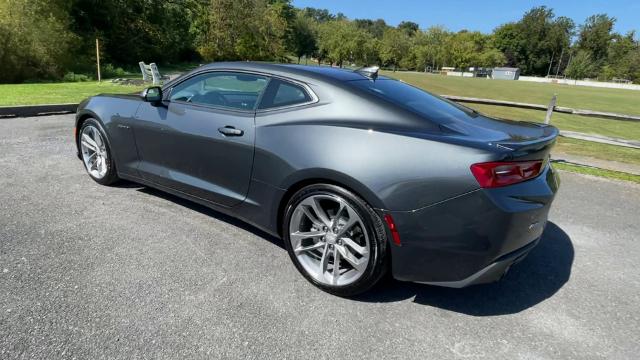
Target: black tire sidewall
{"points": [[375, 231], [111, 176]]}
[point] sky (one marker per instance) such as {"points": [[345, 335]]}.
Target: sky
{"points": [[482, 16]]}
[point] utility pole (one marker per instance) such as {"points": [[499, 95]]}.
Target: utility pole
{"points": [[98, 58], [559, 63], [551, 63], [569, 62]]}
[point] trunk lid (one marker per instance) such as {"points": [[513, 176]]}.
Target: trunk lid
{"points": [[518, 140]]}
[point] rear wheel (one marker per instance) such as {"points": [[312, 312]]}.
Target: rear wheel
{"points": [[335, 239], [96, 154]]}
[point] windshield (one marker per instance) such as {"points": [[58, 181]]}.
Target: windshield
{"points": [[428, 105]]}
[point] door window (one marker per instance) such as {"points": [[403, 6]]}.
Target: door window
{"points": [[221, 89]]}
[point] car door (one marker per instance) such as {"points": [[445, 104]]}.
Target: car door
{"points": [[200, 141]]}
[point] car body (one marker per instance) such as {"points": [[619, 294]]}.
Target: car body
{"points": [[408, 154]]}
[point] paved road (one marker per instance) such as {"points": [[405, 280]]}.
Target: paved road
{"points": [[93, 272]]}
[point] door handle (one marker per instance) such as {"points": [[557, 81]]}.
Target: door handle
{"points": [[230, 131]]}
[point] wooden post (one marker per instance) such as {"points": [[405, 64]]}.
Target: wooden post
{"points": [[98, 59], [552, 105]]}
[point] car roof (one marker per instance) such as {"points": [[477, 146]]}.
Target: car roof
{"points": [[300, 72]]}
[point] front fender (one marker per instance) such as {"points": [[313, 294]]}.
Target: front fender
{"points": [[115, 114]]}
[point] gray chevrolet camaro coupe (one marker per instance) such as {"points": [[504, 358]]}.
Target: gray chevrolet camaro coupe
{"points": [[358, 173]]}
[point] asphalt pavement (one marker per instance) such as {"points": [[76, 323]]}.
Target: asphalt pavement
{"points": [[92, 272]]}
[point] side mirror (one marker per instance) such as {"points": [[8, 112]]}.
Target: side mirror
{"points": [[152, 94]]}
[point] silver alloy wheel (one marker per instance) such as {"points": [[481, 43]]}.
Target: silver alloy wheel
{"points": [[94, 151], [329, 240]]}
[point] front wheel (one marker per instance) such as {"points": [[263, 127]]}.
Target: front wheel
{"points": [[335, 239], [96, 154]]}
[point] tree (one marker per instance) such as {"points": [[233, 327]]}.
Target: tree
{"points": [[462, 49], [510, 41], [595, 36], [375, 27], [535, 41], [429, 47], [581, 66], [303, 36], [243, 30], [394, 46], [133, 30], [35, 42], [318, 15], [364, 48], [623, 59], [342, 40], [334, 38], [491, 57], [410, 28]]}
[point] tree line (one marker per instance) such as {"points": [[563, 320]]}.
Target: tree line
{"points": [[44, 39]]}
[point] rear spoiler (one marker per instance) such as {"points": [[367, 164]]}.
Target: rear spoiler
{"points": [[535, 149]]}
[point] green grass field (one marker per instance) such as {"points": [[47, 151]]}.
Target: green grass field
{"points": [[57, 93], [617, 175], [581, 97]]}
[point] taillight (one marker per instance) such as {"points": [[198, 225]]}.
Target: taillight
{"points": [[497, 174]]}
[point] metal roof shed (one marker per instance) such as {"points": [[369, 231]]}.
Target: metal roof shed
{"points": [[505, 73]]}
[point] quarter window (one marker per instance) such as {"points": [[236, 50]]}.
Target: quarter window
{"points": [[221, 89], [282, 93]]}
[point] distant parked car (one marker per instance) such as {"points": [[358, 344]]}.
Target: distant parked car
{"points": [[358, 173]]}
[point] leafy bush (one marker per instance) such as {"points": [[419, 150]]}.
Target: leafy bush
{"points": [[110, 71], [73, 77], [35, 42]]}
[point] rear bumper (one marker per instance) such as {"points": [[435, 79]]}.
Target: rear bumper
{"points": [[473, 238], [491, 273]]}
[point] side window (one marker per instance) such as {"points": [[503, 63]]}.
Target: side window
{"points": [[222, 89], [282, 93]]}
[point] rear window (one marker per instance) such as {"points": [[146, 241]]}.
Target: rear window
{"points": [[430, 106], [281, 93]]}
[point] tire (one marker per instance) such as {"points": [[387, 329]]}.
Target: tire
{"points": [[358, 237], [104, 173]]}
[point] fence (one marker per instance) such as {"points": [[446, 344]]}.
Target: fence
{"points": [[601, 84], [552, 107]]}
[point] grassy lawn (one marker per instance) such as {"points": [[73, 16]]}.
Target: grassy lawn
{"points": [[617, 175], [597, 150], [57, 93], [581, 97]]}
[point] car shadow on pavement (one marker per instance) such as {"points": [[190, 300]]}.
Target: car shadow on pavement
{"points": [[539, 276], [213, 213]]}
